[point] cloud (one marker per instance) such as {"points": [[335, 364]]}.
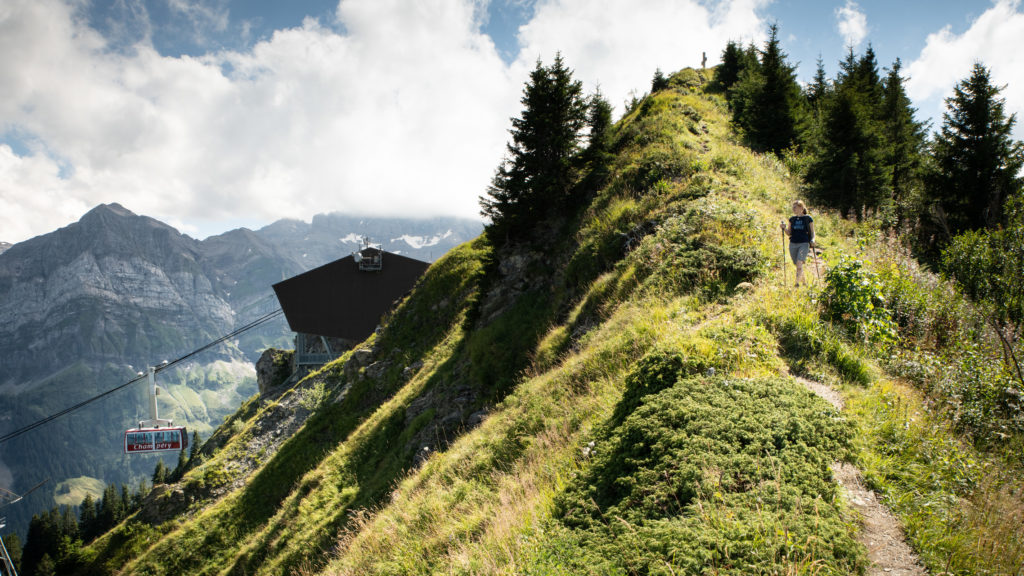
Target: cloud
{"points": [[395, 108], [620, 44], [947, 58], [852, 23]]}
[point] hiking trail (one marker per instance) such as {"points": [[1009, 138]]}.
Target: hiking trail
{"points": [[882, 535]]}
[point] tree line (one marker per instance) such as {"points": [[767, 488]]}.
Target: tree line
{"points": [[855, 140], [56, 537], [956, 198]]}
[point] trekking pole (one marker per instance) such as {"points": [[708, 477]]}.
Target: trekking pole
{"points": [[814, 255], [783, 256]]}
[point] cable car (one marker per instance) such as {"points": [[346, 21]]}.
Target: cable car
{"points": [[155, 434], [173, 438]]}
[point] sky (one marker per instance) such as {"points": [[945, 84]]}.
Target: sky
{"points": [[215, 114]]}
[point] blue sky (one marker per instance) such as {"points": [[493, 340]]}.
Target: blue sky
{"points": [[210, 114]]}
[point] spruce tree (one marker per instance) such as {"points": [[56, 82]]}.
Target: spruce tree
{"points": [[598, 155], [87, 518], [977, 163], [849, 169], [13, 544], [659, 82], [771, 109], [818, 89], [159, 473], [535, 180], [728, 72], [905, 141]]}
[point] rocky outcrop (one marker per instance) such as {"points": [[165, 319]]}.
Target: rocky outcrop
{"points": [[273, 369]]}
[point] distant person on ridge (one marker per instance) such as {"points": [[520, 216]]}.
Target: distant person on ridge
{"points": [[801, 237]]}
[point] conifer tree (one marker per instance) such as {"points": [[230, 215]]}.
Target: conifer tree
{"points": [[728, 72], [772, 98], [159, 473], [13, 544], [598, 155], [111, 508], [905, 141], [977, 163], [535, 180], [849, 169], [818, 89], [659, 82], [197, 444], [87, 518]]}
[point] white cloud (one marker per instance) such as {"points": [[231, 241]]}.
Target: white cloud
{"points": [[852, 23], [405, 113], [947, 58], [620, 44]]}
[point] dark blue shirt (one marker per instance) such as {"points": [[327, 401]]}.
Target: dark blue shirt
{"points": [[800, 229]]}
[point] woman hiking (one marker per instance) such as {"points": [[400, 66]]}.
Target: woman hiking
{"points": [[801, 237]]}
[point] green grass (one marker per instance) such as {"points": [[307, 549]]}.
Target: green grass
{"points": [[639, 417], [70, 492]]}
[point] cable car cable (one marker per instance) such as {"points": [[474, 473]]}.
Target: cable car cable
{"points": [[28, 428]]}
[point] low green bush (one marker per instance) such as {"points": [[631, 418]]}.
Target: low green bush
{"points": [[706, 474], [854, 295]]}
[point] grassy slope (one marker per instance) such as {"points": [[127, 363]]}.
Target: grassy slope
{"points": [[644, 420]]}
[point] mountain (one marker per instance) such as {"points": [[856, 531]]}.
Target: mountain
{"points": [[4, 246], [83, 308], [554, 407], [636, 388]]}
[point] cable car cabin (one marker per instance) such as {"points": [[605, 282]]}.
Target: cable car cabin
{"points": [[173, 438]]}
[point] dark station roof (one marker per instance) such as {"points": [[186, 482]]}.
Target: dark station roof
{"points": [[340, 300]]}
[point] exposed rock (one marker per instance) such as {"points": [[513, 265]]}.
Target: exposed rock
{"points": [[411, 369], [377, 369], [273, 369], [362, 357], [744, 287], [163, 502]]}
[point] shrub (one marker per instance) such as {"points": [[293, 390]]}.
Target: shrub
{"points": [[854, 295], [708, 474]]}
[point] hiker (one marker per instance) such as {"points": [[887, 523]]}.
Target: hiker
{"points": [[801, 237]]}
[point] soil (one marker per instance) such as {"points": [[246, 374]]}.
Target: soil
{"points": [[881, 532]]}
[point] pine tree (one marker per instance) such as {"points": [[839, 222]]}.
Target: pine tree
{"points": [[13, 544], [111, 508], [818, 89], [197, 444], [46, 566], [728, 72], [771, 107], [87, 518], [598, 155], [977, 163], [159, 473], [535, 180], [659, 82], [905, 141], [849, 169]]}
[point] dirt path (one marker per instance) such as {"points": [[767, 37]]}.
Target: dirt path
{"points": [[881, 533]]}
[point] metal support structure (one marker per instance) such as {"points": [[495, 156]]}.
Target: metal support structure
{"points": [[5, 558], [154, 417]]}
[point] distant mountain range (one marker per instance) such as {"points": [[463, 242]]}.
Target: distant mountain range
{"points": [[85, 307]]}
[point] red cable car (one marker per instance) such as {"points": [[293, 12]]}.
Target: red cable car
{"points": [[155, 434]]}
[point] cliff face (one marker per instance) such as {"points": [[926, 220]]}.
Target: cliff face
{"points": [[113, 287]]}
